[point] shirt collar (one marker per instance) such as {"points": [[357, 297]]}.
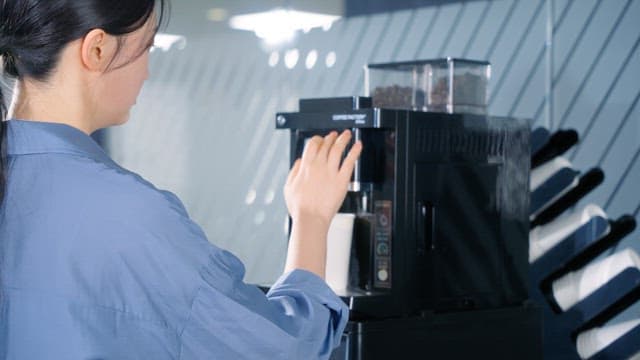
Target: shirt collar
{"points": [[35, 137]]}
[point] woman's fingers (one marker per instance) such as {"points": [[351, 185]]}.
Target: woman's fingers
{"points": [[338, 149], [327, 143], [294, 171], [330, 149], [317, 183], [350, 161], [311, 149]]}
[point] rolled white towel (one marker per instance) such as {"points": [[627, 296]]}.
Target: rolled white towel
{"points": [[592, 341], [543, 172], [577, 285], [543, 238]]}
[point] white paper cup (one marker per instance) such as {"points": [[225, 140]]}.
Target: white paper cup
{"points": [[592, 341], [339, 251], [577, 285]]}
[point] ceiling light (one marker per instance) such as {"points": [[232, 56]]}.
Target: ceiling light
{"points": [[330, 61], [165, 42], [312, 58], [217, 14], [274, 58], [280, 25], [291, 58]]}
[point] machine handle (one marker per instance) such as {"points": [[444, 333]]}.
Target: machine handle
{"points": [[426, 227]]}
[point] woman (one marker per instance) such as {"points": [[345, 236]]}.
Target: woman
{"points": [[95, 262]]}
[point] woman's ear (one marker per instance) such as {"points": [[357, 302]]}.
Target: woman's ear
{"points": [[97, 50]]}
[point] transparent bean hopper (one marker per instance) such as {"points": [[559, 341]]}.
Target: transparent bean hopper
{"points": [[447, 85]]}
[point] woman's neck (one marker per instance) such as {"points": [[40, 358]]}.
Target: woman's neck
{"points": [[38, 102], [64, 98]]}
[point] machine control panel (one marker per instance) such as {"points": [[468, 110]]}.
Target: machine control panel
{"points": [[382, 244]]}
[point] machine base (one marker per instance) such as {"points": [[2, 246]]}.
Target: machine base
{"points": [[508, 333]]}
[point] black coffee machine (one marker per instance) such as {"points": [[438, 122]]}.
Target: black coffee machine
{"points": [[441, 233], [439, 263]]}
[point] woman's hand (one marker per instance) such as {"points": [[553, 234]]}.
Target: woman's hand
{"points": [[315, 189], [318, 183]]}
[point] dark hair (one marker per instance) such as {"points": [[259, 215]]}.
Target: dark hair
{"points": [[34, 32]]}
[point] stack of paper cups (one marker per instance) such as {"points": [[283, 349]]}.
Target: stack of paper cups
{"points": [[592, 341], [544, 172], [578, 285], [543, 238]]}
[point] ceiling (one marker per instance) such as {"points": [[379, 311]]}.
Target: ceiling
{"points": [[212, 16], [334, 7], [199, 15]]}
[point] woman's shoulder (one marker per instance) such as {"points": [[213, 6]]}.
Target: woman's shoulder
{"points": [[95, 191], [115, 188], [89, 199], [104, 224], [134, 189]]}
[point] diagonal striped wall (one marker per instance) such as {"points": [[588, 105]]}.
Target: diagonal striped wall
{"points": [[204, 127]]}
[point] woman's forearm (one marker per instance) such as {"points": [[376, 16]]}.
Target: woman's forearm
{"points": [[308, 245]]}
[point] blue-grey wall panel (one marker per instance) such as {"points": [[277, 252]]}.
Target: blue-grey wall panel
{"points": [[443, 24], [602, 75], [513, 76], [491, 27], [467, 22], [519, 27], [612, 113], [569, 34], [349, 81], [423, 23], [388, 48], [367, 7], [580, 67]]}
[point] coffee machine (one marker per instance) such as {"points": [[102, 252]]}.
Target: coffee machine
{"points": [[439, 263]]}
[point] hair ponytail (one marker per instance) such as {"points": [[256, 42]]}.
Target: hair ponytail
{"points": [[3, 136], [7, 67]]}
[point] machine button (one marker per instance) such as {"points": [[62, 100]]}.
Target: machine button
{"points": [[383, 275], [383, 249]]}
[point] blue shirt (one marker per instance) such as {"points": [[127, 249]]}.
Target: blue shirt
{"points": [[96, 263]]}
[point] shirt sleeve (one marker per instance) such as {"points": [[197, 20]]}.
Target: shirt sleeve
{"points": [[299, 318], [225, 317]]}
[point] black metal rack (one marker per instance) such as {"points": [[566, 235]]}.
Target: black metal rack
{"points": [[574, 252]]}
